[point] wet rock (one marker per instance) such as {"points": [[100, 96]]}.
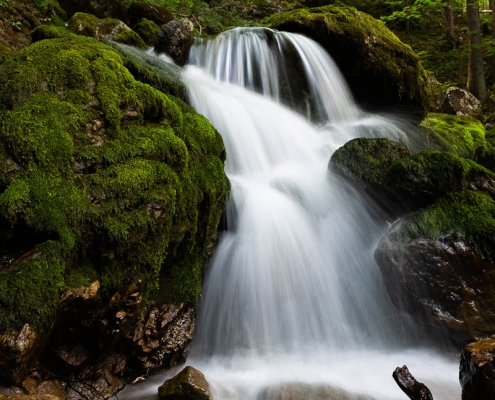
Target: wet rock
{"points": [[458, 101], [82, 294], [364, 162], [189, 384], [159, 15], [438, 264], [477, 370], [161, 338], [176, 39], [411, 387], [18, 350], [381, 71], [30, 397], [299, 390]]}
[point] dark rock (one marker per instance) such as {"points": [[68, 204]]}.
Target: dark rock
{"points": [[411, 387], [477, 370], [189, 384], [382, 72], [29, 397], [18, 350], [419, 180], [176, 39], [159, 15], [458, 101], [364, 162], [299, 390], [99, 8], [438, 265], [148, 31]]}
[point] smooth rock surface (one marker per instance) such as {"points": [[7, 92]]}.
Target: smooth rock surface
{"points": [[189, 384]]}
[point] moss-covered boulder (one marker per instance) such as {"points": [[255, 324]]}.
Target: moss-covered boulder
{"points": [[99, 8], [140, 10], [102, 178], [364, 163], [421, 179], [457, 134], [147, 30], [486, 155], [381, 71], [106, 29], [438, 264]]}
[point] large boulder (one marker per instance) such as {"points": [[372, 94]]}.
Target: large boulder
{"points": [[102, 179], [438, 264], [382, 72], [477, 370], [364, 163], [152, 12], [176, 39]]}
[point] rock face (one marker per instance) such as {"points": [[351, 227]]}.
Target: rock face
{"points": [[299, 390], [477, 370], [109, 190], [382, 72], [438, 265], [460, 102], [189, 384], [176, 39], [411, 387]]}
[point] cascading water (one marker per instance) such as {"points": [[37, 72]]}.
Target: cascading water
{"points": [[293, 293]]}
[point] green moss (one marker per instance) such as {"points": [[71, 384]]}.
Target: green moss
{"points": [[486, 155], [126, 181], [468, 215], [30, 289], [457, 134], [147, 30], [365, 161], [50, 32], [130, 38], [424, 177], [83, 24]]}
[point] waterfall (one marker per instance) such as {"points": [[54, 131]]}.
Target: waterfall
{"points": [[292, 293]]}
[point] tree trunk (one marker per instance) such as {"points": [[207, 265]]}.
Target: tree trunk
{"points": [[476, 78], [449, 24]]}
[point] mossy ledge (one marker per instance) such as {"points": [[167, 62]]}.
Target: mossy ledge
{"points": [[381, 71], [99, 173]]}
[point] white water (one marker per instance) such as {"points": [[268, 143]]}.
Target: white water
{"points": [[293, 293]]}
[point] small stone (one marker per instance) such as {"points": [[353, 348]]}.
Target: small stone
{"points": [[477, 370], [189, 384], [411, 387]]}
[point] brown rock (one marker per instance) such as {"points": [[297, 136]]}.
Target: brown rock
{"points": [[30, 397], [477, 370], [189, 384], [82, 294], [411, 387], [176, 39]]}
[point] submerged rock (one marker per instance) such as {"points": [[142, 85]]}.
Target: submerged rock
{"points": [[381, 71], [299, 390], [176, 39], [189, 384], [411, 387], [477, 370], [438, 265]]}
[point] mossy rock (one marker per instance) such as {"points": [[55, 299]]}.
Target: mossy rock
{"points": [[381, 71], [458, 134], [99, 8], [437, 261], [486, 155], [104, 29], [101, 173], [421, 179], [148, 31]]}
